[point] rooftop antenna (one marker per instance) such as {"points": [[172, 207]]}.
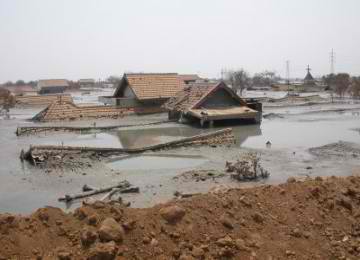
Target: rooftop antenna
{"points": [[332, 61]]}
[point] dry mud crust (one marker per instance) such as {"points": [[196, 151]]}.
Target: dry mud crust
{"points": [[339, 149], [313, 219]]}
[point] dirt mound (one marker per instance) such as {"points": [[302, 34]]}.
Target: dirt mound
{"points": [[314, 219]]}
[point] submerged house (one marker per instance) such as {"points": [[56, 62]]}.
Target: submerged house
{"points": [[86, 83], [147, 91], [210, 102], [52, 86]]}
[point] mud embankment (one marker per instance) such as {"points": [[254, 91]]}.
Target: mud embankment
{"points": [[314, 219], [338, 150]]}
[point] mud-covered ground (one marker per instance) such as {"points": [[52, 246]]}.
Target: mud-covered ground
{"points": [[304, 142]]}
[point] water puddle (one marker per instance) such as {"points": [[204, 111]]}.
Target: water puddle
{"points": [[156, 162]]}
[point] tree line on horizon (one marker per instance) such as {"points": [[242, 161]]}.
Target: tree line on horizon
{"points": [[240, 79], [340, 83]]}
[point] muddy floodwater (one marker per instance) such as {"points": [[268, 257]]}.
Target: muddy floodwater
{"points": [[292, 131]]}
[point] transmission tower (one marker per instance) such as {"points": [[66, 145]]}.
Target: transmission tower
{"points": [[288, 72], [332, 61]]}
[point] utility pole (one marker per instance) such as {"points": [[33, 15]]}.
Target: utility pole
{"points": [[288, 72], [332, 61], [288, 75]]}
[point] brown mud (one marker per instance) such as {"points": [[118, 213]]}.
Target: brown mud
{"points": [[312, 219]]}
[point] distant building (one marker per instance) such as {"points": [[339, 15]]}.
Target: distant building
{"points": [[210, 102], [52, 86], [308, 84], [87, 83], [189, 78], [21, 90]]}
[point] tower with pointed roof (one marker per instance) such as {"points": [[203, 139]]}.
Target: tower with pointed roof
{"points": [[309, 79]]}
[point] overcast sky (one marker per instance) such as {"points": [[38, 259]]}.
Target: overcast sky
{"points": [[94, 39]]}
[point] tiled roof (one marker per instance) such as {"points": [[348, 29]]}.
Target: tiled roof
{"points": [[189, 96], [53, 83], [194, 94], [152, 86], [189, 77]]}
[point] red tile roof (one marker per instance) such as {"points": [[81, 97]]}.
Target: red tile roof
{"points": [[194, 94], [151, 85]]}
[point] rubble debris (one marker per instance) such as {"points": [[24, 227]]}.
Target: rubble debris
{"points": [[247, 168], [41, 100], [27, 130], [199, 175], [56, 154], [124, 185]]}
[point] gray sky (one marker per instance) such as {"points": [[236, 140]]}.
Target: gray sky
{"points": [[92, 38]]}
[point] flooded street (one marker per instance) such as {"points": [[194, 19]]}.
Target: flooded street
{"points": [[291, 130]]}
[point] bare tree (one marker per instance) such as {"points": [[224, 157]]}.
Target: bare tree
{"points": [[239, 80], [330, 80], [265, 78], [342, 83], [355, 87], [114, 79]]}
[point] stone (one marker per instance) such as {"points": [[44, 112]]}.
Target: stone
{"points": [[93, 220], [258, 218], [296, 232], [82, 213], [318, 178], [225, 241], [111, 230], [172, 214], [129, 225], [240, 245], [43, 215], [88, 237], [103, 251], [291, 180], [154, 242], [198, 253], [63, 254], [226, 222], [344, 202], [186, 257]]}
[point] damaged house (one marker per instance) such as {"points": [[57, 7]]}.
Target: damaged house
{"points": [[146, 92], [211, 102]]}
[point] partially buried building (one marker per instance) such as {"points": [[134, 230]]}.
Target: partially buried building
{"points": [[52, 86], [210, 102], [147, 91]]}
